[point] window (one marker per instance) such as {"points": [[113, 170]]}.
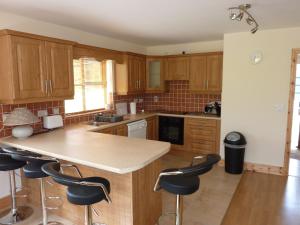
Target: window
{"points": [[93, 85]]}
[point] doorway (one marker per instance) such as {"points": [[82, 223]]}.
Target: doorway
{"points": [[292, 151], [294, 168]]}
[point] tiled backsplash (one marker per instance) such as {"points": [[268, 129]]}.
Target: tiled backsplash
{"points": [[178, 98], [33, 107]]}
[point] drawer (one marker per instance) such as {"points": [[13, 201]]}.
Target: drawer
{"points": [[201, 122], [205, 147], [207, 133]]}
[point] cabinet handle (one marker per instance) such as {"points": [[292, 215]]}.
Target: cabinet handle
{"points": [[46, 86], [206, 84], [50, 84], [139, 83]]}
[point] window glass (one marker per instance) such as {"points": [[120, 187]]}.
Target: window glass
{"points": [[93, 85]]}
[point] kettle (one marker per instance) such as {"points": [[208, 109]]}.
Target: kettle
{"points": [[213, 108]]}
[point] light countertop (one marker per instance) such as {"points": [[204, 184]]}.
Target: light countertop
{"points": [[83, 145], [131, 118], [102, 151]]}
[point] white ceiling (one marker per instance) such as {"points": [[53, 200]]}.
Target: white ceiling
{"points": [[155, 22]]}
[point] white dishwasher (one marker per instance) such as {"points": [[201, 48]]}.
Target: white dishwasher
{"points": [[137, 129]]}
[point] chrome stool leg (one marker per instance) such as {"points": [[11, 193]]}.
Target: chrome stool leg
{"points": [[44, 206], [179, 209], [16, 213], [88, 219]]}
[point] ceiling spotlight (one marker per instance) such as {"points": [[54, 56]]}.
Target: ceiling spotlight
{"points": [[233, 16], [237, 13], [250, 21], [240, 16], [253, 30]]}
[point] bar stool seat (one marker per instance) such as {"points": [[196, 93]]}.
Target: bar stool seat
{"points": [[184, 181], [33, 170], [86, 195], [7, 163], [180, 184]]}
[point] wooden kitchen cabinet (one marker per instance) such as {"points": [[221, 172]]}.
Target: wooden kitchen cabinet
{"points": [[34, 68], [131, 75], [202, 135], [206, 73], [177, 68], [29, 72], [155, 75], [152, 128], [120, 130], [59, 60]]}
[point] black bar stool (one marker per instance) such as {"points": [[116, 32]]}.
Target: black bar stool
{"points": [[33, 170], [81, 191], [16, 213], [184, 181]]}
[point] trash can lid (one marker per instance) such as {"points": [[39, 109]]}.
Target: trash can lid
{"points": [[235, 138]]}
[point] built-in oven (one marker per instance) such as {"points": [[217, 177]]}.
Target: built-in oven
{"points": [[171, 129]]}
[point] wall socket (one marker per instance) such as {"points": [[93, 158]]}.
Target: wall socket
{"points": [[4, 116], [155, 98], [55, 111]]}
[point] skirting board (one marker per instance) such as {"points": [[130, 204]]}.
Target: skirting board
{"points": [[260, 168]]}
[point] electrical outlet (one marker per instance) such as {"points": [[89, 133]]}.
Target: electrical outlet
{"points": [[55, 111], [4, 116], [42, 113], [155, 99], [141, 100]]}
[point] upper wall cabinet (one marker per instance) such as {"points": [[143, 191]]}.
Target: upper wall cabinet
{"points": [[177, 68], [59, 59], [155, 74], [131, 75], [34, 68], [206, 73]]}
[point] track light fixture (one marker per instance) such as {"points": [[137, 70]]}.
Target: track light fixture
{"points": [[238, 13]]}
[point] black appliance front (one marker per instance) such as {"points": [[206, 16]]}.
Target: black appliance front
{"points": [[171, 129]]}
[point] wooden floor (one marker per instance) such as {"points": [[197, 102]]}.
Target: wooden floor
{"points": [[262, 199]]}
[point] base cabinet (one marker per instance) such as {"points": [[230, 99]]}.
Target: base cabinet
{"points": [[202, 135], [152, 128], [120, 130]]}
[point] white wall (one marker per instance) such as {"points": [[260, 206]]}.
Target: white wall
{"points": [[251, 92], [25, 24], [194, 47]]}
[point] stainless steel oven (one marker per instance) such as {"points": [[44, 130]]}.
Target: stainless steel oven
{"points": [[171, 129]]}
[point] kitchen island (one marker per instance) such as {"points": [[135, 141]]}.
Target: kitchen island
{"points": [[131, 165]]}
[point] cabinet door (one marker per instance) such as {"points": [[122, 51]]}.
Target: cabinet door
{"points": [[214, 73], [121, 130], [154, 75], [29, 72], [178, 68], [142, 75], [109, 130], [60, 69], [133, 74], [152, 128], [198, 73]]}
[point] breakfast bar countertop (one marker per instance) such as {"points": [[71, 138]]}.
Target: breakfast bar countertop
{"points": [[77, 144]]}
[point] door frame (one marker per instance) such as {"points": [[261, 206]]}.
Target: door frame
{"points": [[295, 53]]}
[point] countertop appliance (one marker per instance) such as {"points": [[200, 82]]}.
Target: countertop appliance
{"points": [[171, 129], [121, 108], [213, 108], [109, 118], [52, 122], [137, 129]]}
